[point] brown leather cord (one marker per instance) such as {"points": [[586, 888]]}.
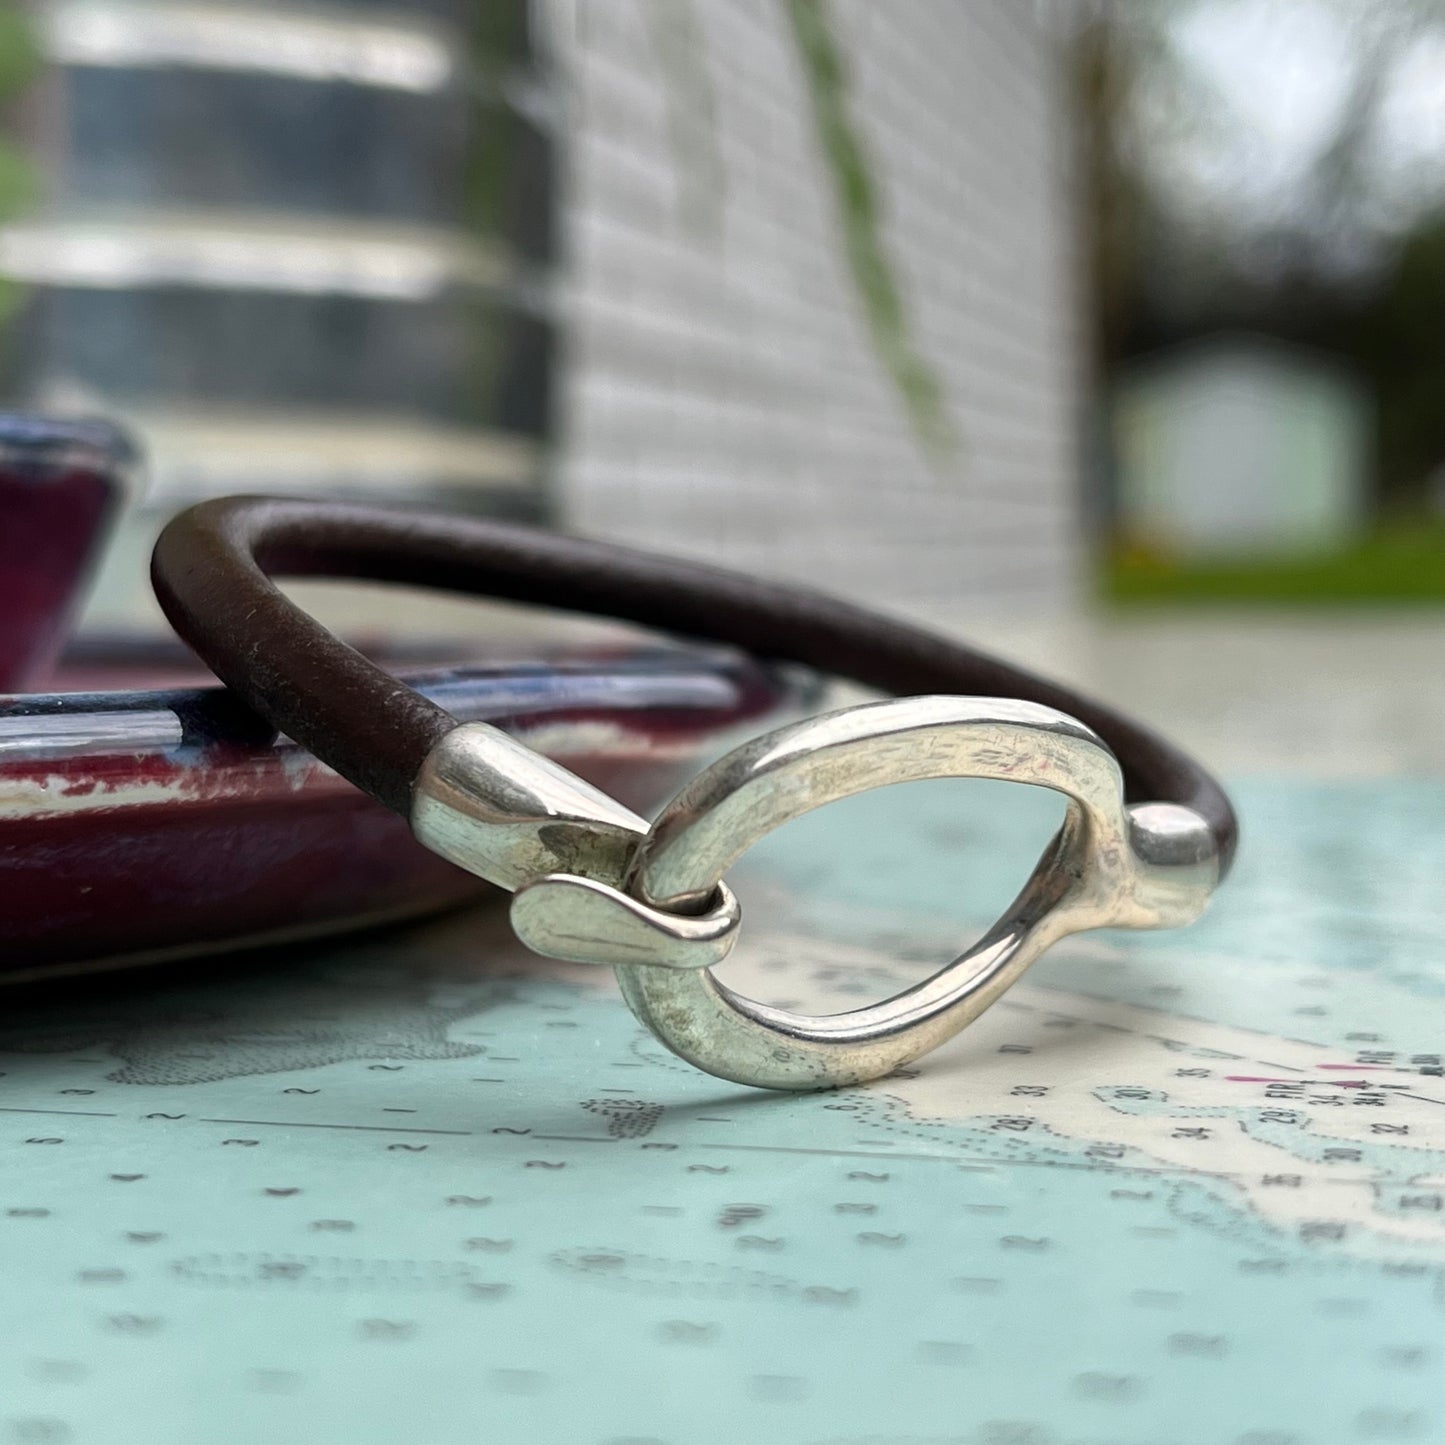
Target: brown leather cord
{"points": [[212, 569]]}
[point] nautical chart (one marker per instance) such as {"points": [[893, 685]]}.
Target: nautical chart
{"points": [[1175, 1189]]}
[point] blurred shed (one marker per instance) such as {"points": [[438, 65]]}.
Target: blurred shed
{"points": [[1240, 446]]}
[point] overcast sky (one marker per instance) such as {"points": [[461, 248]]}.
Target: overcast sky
{"points": [[1282, 70]]}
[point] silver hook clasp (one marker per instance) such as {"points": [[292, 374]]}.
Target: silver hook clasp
{"points": [[506, 813], [596, 884]]}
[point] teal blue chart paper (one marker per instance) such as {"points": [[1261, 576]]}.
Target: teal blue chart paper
{"points": [[1176, 1189]]}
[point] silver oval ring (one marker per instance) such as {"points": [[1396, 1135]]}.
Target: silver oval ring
{"points": [[1147, 865]]}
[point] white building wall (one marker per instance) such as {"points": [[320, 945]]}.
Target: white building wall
{"points": [[724, 395]]}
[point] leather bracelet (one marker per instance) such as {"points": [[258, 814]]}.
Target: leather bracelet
{"points": [[1148, 834]]}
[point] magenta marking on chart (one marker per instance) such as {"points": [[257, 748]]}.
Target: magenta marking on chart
{"points": [[1253, 1079]]}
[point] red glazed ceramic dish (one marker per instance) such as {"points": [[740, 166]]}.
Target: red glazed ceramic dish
{"points": [[141, 825], [138, 826]]}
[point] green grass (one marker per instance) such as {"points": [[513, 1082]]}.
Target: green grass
{"points": [[1397, 563]]}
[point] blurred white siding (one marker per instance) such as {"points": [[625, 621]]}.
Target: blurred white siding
{"points": [[724, 395]]}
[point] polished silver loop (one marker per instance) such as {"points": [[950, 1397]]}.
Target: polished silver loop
{"points": [[1145, 867], [597, 886]]}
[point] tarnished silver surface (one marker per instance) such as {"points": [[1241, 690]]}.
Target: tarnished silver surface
{"points": [[652, 902]]}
